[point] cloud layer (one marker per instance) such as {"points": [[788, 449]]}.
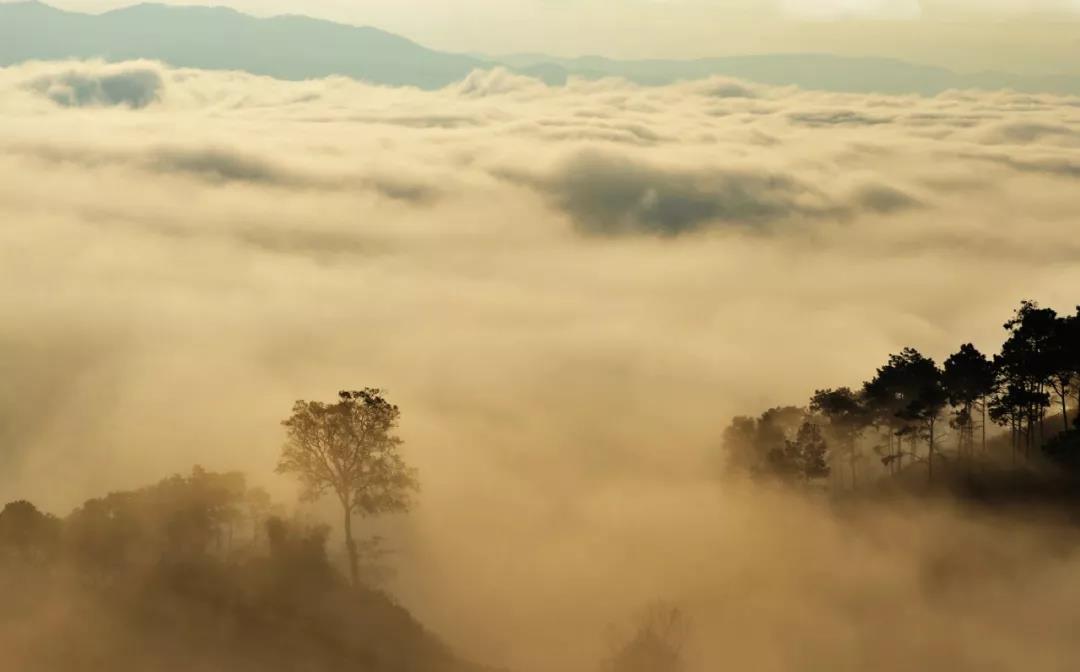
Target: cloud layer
{"points": [[568, 291]]}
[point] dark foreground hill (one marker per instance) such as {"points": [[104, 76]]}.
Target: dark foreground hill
{"points": [[191, 575], [298, 47]]}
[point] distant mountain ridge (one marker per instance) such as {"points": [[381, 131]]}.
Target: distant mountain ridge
{"points": [[810, 71], [298, 47], [218, 38]]}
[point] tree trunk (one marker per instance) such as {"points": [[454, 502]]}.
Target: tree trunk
{"points": [[930, 456], [971, 433], [350, 547], [1029, 436], [961, 434], [1064, 408], [854, 482], [1077, 418], [984, 428], [1042, 429], [892, 453], [1015, 441]]}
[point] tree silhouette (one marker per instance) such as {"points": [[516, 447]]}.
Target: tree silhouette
{"points": [[258, 504], [1071, 333], [1008, 408], [758, 446], [968, 377], [349, 448], [27, 534], [906, 396], [739, 443], [1038, 366], [1025, 368], [928, 403], [888, 396], [802, 458], [1062, 360], [847, 417]]}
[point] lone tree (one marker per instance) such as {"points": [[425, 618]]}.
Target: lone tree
{"points": [[349, 448]]}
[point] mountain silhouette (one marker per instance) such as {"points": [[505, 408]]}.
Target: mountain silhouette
{"points": [[298, 47], [216, 38]]}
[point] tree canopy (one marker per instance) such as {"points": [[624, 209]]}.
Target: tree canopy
{"points": [[349, 448], [909, 397]]}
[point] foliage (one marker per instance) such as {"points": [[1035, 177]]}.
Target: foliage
{"points": [[171, 577], [848, 417], [349, 448], [783, 443], [907, 398], [802, 458], [748, 442], [28, 535], [656, 643]]}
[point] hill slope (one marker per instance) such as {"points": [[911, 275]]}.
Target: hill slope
{"points": [[180, 577]]}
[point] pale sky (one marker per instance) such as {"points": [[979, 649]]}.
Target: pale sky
{"points": [[1018, 35]]}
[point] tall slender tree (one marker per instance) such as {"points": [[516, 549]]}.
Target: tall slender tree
{"points": [[1009, 408], [1062, 360], [884, 397], [907, 396], [349, 448], [1025, 366], [927, 404], [968, 377]]}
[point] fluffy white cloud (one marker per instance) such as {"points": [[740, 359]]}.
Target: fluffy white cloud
{"points": [[602, 208]]}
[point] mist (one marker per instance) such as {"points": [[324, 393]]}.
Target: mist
{"points": [[569, 291]]}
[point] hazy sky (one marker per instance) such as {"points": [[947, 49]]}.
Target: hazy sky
{"points": [[1032, 35]]}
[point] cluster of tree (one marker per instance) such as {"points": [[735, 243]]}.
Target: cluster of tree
{"points": [[195, 572], [202, 572], [913, 412]]}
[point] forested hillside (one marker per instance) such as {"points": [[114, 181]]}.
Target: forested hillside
{"points": [[193, 573]]}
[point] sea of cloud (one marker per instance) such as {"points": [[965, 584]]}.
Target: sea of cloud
{"points": [[569, 291]]}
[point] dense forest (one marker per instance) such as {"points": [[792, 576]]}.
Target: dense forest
{"points": [[975, 419]]}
